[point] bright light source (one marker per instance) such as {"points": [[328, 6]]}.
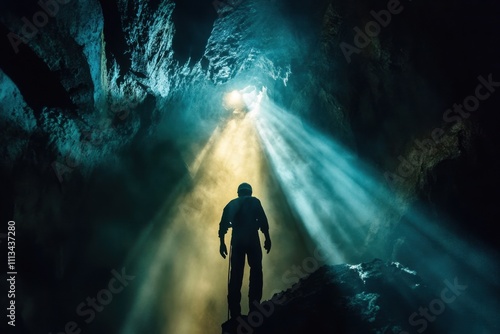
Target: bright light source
{"points": [[244, 100], [234, 102], [234, 97]]}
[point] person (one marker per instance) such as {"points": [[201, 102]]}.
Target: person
{"points": [[245, 216]]}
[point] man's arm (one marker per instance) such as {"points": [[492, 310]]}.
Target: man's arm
{"points": [[267, 242], [222, 248], [223, 227], [264, 227]]}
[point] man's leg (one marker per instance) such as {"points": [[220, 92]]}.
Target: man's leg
{"points": [[255, 263], [234, 293]]}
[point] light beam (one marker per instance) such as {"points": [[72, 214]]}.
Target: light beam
{"points": [[339, 202], [185, 279]]}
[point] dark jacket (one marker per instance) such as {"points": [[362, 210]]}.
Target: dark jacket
{"points": [[246, 216]]}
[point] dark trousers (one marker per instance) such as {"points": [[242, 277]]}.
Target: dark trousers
{"points": [[250, 248]]}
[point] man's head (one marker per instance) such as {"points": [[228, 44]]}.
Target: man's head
{"points": [[244, 189]]}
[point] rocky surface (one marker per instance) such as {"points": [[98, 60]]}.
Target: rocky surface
{"points": [[373, 297]]}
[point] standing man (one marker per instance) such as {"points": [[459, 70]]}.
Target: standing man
{"points": [[246, 216]]}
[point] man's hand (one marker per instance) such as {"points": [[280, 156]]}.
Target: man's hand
{"points": [[267, 245], [223, 250]]}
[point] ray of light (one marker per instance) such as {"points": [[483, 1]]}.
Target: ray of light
{"points": [[335, 195], [345, 206], [185, 278], [336, 199]]}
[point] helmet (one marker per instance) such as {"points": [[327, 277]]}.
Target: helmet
{"points": [[244, 187]]}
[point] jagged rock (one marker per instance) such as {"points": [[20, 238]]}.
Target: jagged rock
{"points": [[374, 297]]}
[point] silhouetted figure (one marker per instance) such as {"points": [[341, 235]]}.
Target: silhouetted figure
{"points": [[246, 216]]}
